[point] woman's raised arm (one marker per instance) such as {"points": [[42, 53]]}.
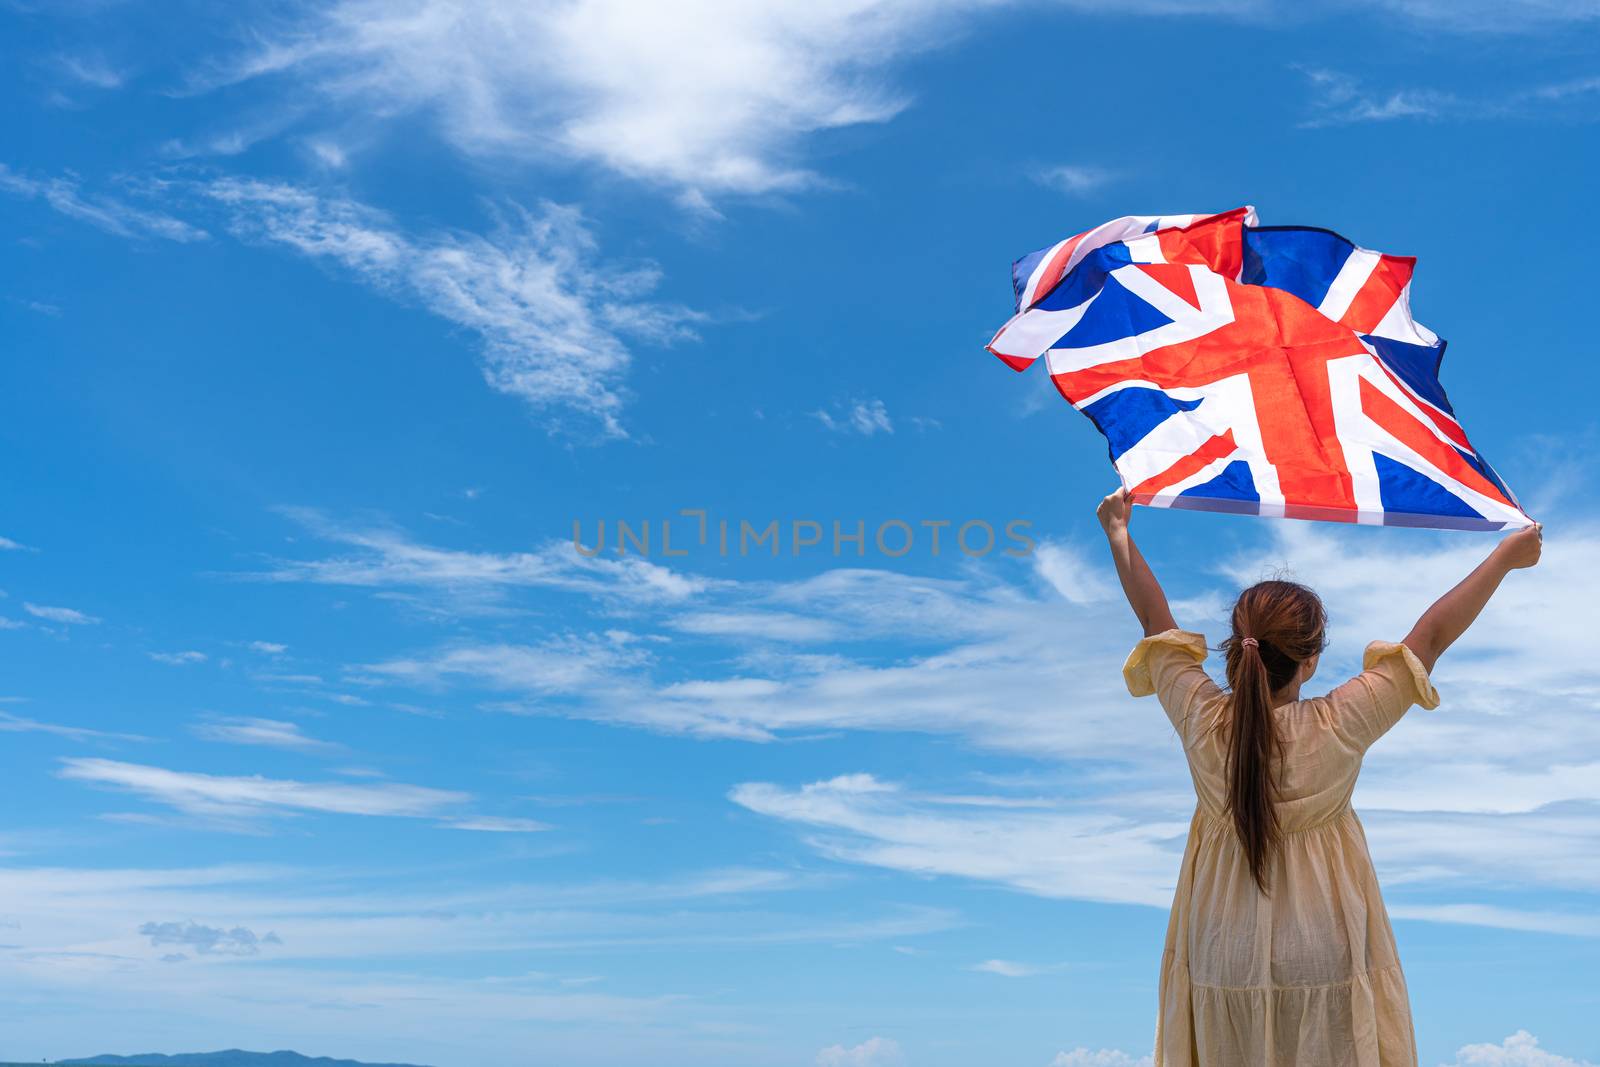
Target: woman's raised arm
{"points": [[1139, 583], [1452, 613]]}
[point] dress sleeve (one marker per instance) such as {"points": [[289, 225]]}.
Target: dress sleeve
{"points": [[1392, 679], [1168, 665]]}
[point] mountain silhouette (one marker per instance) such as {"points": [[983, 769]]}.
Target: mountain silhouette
{"points": [[232, 1057]]}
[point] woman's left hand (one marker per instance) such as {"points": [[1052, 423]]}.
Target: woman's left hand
{"points": [[1521, 549], [1114, 511]]}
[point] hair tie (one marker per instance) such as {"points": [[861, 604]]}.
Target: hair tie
{"points": [[1249, 642]]}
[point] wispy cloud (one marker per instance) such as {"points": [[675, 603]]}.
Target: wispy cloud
{"points": [[567, 665], [220, 796], [91, 70], [8, 545], [208, 940], [873, 1052], [1100, 1057], [1530, 920], [493, 824], [1076, 579], [244, 803], [17, 724], [385, 556], [551, 317], [272, 733], [65, 195], [757, 626], [1074, 179], [1007, 968], [178, 659], [233, 136], [1572, 88], [1340, 99], [1088, 854], [65, 616], [1520, 17], [865, 417]]}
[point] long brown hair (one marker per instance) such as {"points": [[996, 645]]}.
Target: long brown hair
{"points": [[1287, 622]]}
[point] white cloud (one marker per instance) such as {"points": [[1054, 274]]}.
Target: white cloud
{"points": [[328, 153], [66, 616], [308, 680], [567, 665], [235, 136], [1007, 968], [1076, 579], [1501, 918], [93, 71], [208, 940], [238, 797], [629, 88], [8, 545], [178, 659], [873, 1052], [271, 733], [1104, 1057], [757, 625], [65, 196], [1521, 1049], [1489, 16], [551, 318], [17, 724], [1074, 179], [386, 557], [1564, 90], [494, 824], [1084, 852], [268, 648], [864, 417], [1340, 99]]}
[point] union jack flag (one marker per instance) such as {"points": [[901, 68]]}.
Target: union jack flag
{"points": [[1264, 370]]}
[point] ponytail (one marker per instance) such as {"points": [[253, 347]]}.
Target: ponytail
{"points": [[1277, 626], [1251, 741]]}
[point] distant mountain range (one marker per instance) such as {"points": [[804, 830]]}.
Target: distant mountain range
{"points": [[232, 1057]]}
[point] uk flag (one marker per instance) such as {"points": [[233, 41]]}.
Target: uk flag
{"points": [[1264, 370]]}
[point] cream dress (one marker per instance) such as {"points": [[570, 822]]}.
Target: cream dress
{"points": [[1308, 976]]}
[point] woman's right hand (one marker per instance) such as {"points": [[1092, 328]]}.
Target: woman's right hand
{"points": [[1114, 511], [1522, 548]]}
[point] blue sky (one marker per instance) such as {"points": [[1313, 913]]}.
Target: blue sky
{"points": [[324, 324]]}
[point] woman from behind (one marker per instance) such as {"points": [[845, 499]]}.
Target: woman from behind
{"points": [[1279, 951]]}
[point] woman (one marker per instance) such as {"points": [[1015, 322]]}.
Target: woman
{"points": [[1279, 950]]}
